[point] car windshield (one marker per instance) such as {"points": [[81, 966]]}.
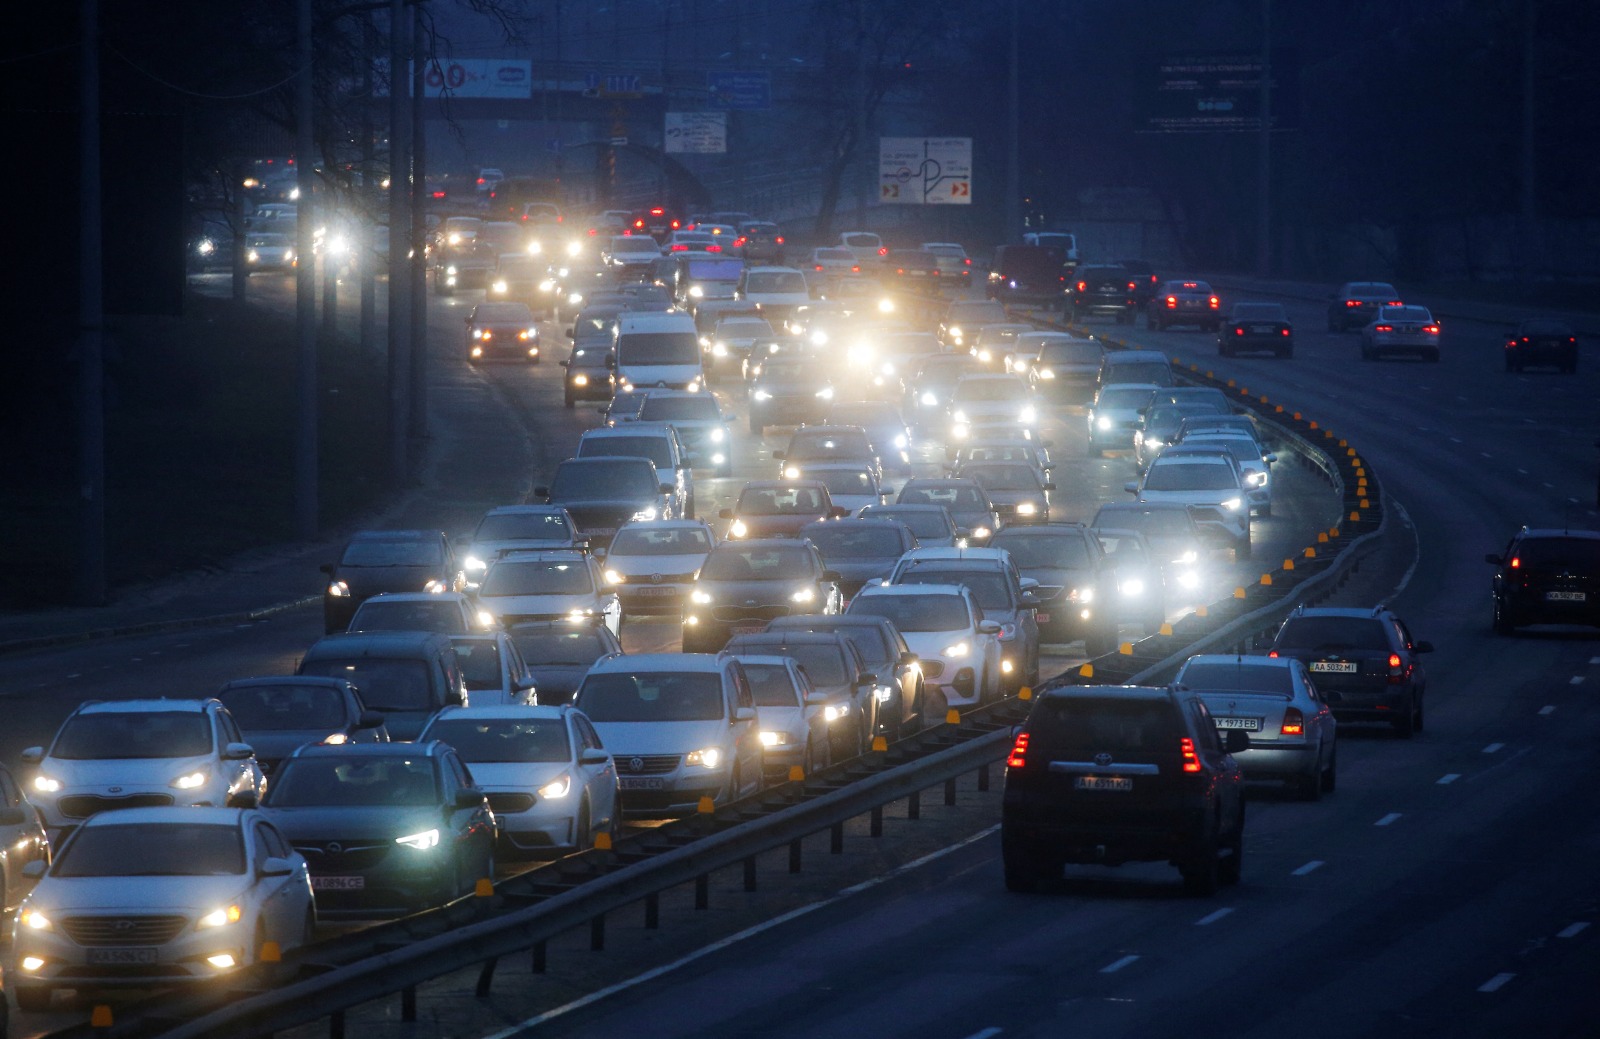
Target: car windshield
{"points": [[479, 660], [772, 686], [386, 684], [1239, 677], [699, 407], [1071, 730], [1149, 522], [504, 740], [268, 241], [1030, 550], [597, 479], [757, 563], [285, 707], [842, 444], [671, 541], [786, 281], [1332, 634], [989, 587], [743, 328], [1579, 554], [671, 696], [409, 615], [1172, 474], [1259, 312], [152, 850], [779, 501], [824, 664], [1005, 477], [502, 314], [983, 389], [1168, 417], [1158, 372], [537, 577], [1124, 397], [357, 781], [841, 481], [577, 646], [855, 540], [398, 552], [861, 241], [128, 735], [952, 498], [656, 448], [635, 348], [523, 526], [1075, 351], [924, 523], [715, 270], [915, 612], [1122, 551], [1405, 314]]}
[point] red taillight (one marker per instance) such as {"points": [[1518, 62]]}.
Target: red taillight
{"points": [[1131, 286], [559, 219], [967, 262], [713, 248], [1383, 328], [592, 232], [1238, 331], [1191, 761], [1019, 752], [738, 242], [855, 268], [1152, 277], [438, 194], [524, 216], [1283, 331], [883, 250], [1172, 302], [1394, 303], [1396, 670], [1294, 723], [1432, 330], [778, 240], [675, 225], [482, 181], [1352, 302], [1273, 653], [818, 267], [638, 223], [657, 211], [899, 270], [1083, 286], [679, 247], [1215, 302]]}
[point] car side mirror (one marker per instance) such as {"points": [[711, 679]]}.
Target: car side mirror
{"points": [[1271, 456], [276, 867], [665, 488], [469, 797], [840, 512], [11, 816], [1131, 487], [565, 364], [542, 492], [866, 678], [370, 720], [35, 869], [831, 575], [33, 755], [238, 752], [988, 627], [1422, 647], [593, 756], [1235, 740], [1028, 584], [1492, 558], [908, 658], [743, 714]]}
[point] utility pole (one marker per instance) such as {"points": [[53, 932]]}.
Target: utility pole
{"points": [[1528, 196], [91, 574], [418, 421], [305, 290], [1264, 151], [399, 327], [240, 275], [366, 259], [1013, 205], [866, 159]]}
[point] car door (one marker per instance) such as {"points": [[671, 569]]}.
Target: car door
{"points": [[473, 829], [599, 781], [747, 743], [284, 899], [242, 775], [24, 842]]}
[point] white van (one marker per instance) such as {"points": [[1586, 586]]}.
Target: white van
{"points": [[658, 349], [774, 291]]}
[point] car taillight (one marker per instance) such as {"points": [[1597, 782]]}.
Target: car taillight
{"points": [[1383, 328], [883, 250], [657, 211], [1283, 331], [1273, 654], [1019, 752], [1516, 563], [1294, 723], [739, 241], [1152, 278], [778, 240], [1394, 303], [1238, 331], [713, 248], [1432, 330], [966, 262], [855, 268], [1396, 668], [818, 266], [1191, 761], [1172, 302], [1083, 286], [1214, 302], [1352, 302]]}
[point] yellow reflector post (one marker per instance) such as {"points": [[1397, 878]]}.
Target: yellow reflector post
{"points": [[1288, 564], [1166, 629], [1025, 693], [1266, 580], [952, 717], [602, 842], [1086, 671], [796, 773], [706, 806], [1238, 593], [1311, 553], [1200, 611], [271, 952], [879, 743], [1126, 649], [485, 887], [100, 1016]]}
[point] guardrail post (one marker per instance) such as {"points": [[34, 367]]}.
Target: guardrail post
{"points": [[794, 856], [486, 978], [836, 839], [750, 873], [538, 957], [950, 793], [336, 1025], [877, 820], [914, 806], [408, 1003], [983, 778], [597, 933], [702, 891], [652, 911]]}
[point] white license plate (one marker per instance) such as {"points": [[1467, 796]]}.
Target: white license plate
{"points": [[1120, 783], [1042, 618], [1338, 667], [1248, 724], [338, 883], [1262, 329], [599, 531], [655, 590], [747, 629], [118, 957], [1566, 596], [642, 783]]}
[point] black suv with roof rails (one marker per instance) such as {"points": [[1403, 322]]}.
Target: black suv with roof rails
{"points": [[1364, 661], [1547, 577], [1102, 775]]}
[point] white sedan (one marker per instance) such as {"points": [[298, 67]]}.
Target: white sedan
{"points": [[158, 896], [943, 625]]}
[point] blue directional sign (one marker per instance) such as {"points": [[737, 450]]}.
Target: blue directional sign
{"points": [[739, 91]]}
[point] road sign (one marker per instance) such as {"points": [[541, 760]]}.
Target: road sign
{"points": [[474, 78], [925, 171], [1220, 93], [703, 133], [741, 91], [616, 85]]}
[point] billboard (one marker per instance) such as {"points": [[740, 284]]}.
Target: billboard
{"points": [[741, 91], [925, 171], [1220, 93], [704, 133], [494, 78]]}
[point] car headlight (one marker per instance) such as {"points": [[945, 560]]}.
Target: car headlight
{"points": [[578, 614], [1026, 508], [574, 248], [46, 785], [695, 292], [557, 788], [955, 332], [1084, 595], [761, 395], [1189, 579], [979, 533], [1233, 504], [435, 587], [803, 595], [451, 270], [719, 349], [474, 563], [252, 257], [718, 435], [710, 757], [819, 338], [700, 598], [1102, 422], [1028, 415], [901, 441], [485, 619], [826, 393], [1132, 587], [985, 356], [335, 739], [958, 416], [791, 472], [34, 920], [421, 841], [737, 529], [644, 514], [1047, 373], [960, 649], [338, 589], [612, 577], [959, 431], [769, 738], [580, 380], [498, 286], [929, 400], [221, 916], [1256, 479], [191, 780], [834, 711], [882, 693]]}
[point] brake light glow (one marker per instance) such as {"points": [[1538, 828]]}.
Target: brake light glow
{"points": [[1516, 563], [967, 262], [1215, 302], [1019, 752], [1238, 331], [739, 242], [778, 240], [1191, 760], [679, 247], [883, 250], [1395, 303], [438, 194], [817, 267], [1283, 331], [1273, 654], [1172, 302], [1083, 286], [1432, 330], [1352, 302], [713, 248], [657, 211], [1383, 328], [1294, 723], [1396, 670]]}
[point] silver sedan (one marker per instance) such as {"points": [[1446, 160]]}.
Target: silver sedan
{"points": [[1407, 329]]}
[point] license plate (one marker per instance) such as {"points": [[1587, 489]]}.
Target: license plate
{"points": [[117, 957], [747, 629], [600, 531], [642, 783], [1120, 783], [1248, 724], [1262, 329], [654, 590], [1338, 667], [1566, 596], [337, 883], [1042, 618]]}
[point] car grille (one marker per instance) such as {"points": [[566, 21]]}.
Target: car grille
{"points": [[81, 806], [657, 578], [338, 857], [749, 613], [646, 764], [510, 804], [123, 930]]}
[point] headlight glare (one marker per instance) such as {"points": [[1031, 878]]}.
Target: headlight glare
{"points": [[221, 917], [421, 841], [557, 788]]}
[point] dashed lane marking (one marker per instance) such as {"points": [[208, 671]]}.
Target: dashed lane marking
{"points": [[1495, 982], [1493, 748], [1448, 778], [1548, 708], [1211, 918], [1573, 930], [1386, 820], [1313, 865], [1113, 967]]}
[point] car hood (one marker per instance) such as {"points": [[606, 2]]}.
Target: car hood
{"points": [[624, 739], [130, 772], [632, 566], [784, 719], [519, 776], [138, 894], [1192, 497], [360, 823], [930, 645], [542, 605], [1001, 497], [744, 593], [273, 744]]}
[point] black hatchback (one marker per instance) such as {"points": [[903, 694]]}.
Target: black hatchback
{"points": [[1547, 577], [1365, 663], [1104, 290]]}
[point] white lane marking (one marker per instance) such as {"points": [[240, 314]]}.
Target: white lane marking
{"points": [[1522, 472], [1493, 748], [987, 1033], [1573, 930], [1549, 486], [1485, 454], [1594, 660], [1211, 918], [1416, 555], [1386, 820], [1576, 680], [1112, 968], [1548, 708], [77, 675], [1455, 440], [1314, 864], [1448, 778], [1495, 982], [734, 939]]}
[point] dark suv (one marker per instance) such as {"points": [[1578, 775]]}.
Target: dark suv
{"points": [[1102, 775], [1547, 577], [1365, 663], [1075, 582], [1103, 290], [376, 561]]}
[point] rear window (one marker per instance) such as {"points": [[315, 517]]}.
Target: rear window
{"points": [[1077, 730], [1577, 553], [1244, 678], [1332, 634]]}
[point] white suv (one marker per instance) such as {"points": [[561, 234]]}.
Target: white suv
{"points": [[1211, 484], [141, 754], [944, 626]]}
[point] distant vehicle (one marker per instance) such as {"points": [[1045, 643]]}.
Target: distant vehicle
{"points": [[745, 583], [376, 561], [502, 329], [1357, 302], [1364, 661], [1028, 273], [277, 714], [1406, 329], [1065, 241], [1540, 341], [264, 251], [951, 261], [1547, 577], [1184, 303], [1211, 484], [760, 241], [1256, 327], [404, 675], [867, 247], [1103, 290]]}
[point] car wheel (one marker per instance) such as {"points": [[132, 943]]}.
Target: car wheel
{"points": [[1406, 724], [1231, 869], [1502, 620], [1201, 871], [1309, 787], [1330, 775], [33, 999], [1024, 870]]}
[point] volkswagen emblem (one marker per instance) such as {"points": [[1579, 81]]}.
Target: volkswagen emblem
{"points": [[636, 764], [124, 925], [1102, 759], [114, 789], [751, 602], [334, 848], [655, 578]]}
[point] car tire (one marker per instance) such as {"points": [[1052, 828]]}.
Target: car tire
{"points": [[1024, 870], [1231, 869], [1502, 620], [1330, 775], [1405, 726], [33, 999], [1202, 870]]}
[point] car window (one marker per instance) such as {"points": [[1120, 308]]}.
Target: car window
{"points": [[10, 796], [586, 733], [1077, 730], [772, 685], [153, 850], [671, 696], [1332, 634], [1205, 728], [126, 735], [504, 740], [386, 684], [742, 696], [1241, 677]]}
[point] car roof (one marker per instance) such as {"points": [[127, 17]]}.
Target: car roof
{"points": [[671, 524], [1240, 660], [429, 748], [1051, 529], [525, 510], [1338, 611], [187, 815], [875, 590], [145, 706], [515, 712], [415, 597], [1103, 693], [638, 663], [321, 681], [545, 555], [787, 636], [767, 485]]}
